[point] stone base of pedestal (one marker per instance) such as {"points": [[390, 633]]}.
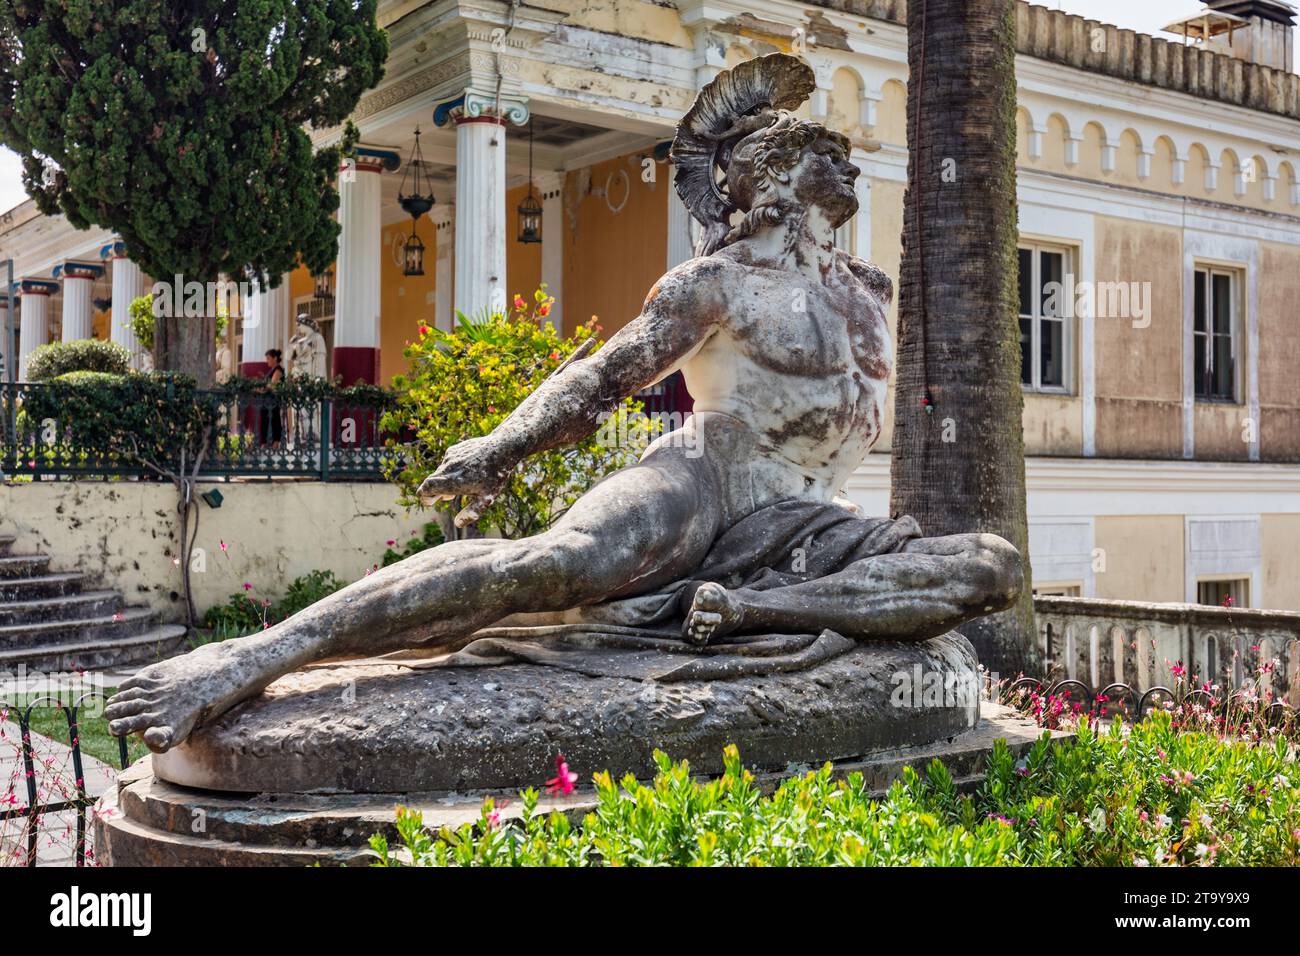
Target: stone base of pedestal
{"points": [[145, 821], [308, 770]]}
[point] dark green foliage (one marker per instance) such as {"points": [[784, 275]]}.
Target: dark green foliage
{"points": [[137, 418], [82, 355], [181, 126], [248, 613]]}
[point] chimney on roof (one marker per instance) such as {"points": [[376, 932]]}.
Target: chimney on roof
{"points": [[1268, 38]]}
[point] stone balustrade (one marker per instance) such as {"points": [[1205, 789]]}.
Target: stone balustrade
{"points": [[1138, 643]]}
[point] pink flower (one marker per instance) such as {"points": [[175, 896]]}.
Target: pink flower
{"points": [[519, 301], [564, 779], [392, 541], [494, 819], [247, 586], [223, 546]]}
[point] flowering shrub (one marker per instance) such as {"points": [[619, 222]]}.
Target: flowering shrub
{"points": [[464, 383], [1147, 796]]}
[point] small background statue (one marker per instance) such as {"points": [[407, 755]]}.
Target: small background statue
{"points": [[307, 349]]}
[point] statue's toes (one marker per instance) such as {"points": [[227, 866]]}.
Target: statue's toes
{"points": [[158, 739], [131, 725]]}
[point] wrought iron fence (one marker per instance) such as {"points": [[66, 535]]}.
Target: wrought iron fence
{"points": [[34, 810], [262, 434]]}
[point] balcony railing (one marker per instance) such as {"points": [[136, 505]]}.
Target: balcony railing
{"points": [[1145, 645]]}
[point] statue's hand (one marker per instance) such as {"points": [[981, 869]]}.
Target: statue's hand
{"points": [[477, 469]]}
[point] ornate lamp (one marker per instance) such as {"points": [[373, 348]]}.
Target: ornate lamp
{"points": [[324, 288], [416, 204], [413, 254], [530, 210]]}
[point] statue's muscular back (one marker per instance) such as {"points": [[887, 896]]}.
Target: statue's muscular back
{"points": [[803, 362]]}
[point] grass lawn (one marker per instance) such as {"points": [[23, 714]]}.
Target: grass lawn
{"points": [[95, 740]]}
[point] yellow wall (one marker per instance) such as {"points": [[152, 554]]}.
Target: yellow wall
{"points": [[523, 260], [405, 301], [1278, 534], [1144, 557], [886, 252], [612, 259]]}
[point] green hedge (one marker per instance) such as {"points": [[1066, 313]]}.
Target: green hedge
{"points": [[83, 355], [1148, 796]]}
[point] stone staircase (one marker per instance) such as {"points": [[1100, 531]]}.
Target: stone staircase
{"points": [[50, 621]]}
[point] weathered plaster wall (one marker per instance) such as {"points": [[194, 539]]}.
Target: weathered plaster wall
{"points": [[1144, 557], [1053, 425], [1278, 537], [124, 534], [1139, 371], [1279, 362]]}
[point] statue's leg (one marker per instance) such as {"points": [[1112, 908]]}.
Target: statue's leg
{"points": [[638, 529], [931, 586]]}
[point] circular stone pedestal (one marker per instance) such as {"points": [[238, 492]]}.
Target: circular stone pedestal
{"points": [[336, 746]]}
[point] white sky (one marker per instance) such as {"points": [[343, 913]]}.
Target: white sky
{"points": [[1146, 16]]}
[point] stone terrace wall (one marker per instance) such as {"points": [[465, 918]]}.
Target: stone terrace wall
{"points": [[1138, 643], [1066, 38]]}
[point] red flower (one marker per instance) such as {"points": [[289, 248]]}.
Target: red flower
{"points": [[424, 329], [519, 301], [564, 779], [544, 309]]}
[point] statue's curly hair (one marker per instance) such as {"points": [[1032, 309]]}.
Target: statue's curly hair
{"points": [[761, 160]]}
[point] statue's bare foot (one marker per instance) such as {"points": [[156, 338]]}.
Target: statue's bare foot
{"points": [[713, 613], [165, 702]]}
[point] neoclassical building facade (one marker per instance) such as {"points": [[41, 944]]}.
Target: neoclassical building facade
{"points": [[1159, 205]]}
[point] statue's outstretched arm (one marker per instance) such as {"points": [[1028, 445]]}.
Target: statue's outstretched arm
{"points": [[679, 314]]}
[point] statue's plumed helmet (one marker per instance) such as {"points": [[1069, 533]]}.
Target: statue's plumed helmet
{"points": [[730, 128]]}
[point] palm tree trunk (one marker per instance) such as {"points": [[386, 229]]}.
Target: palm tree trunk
{"points": [[958, 447]]}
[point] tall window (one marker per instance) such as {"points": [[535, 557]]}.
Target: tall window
{"points": [[1045, 311], [1215, 335]]}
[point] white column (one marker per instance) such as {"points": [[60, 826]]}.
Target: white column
{"points": [[552, 190], [480, 215], [78, 312], [6, 339], [481, 196], [681, 245], [33, 311], [444, 269], [127, 287], [265, 317], [357, 297]]}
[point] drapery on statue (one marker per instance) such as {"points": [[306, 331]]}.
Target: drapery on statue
{"points": [[731, 523]]}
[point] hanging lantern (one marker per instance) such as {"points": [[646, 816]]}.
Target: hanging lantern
{"points": [[530, 210], [324, 285], [415, 203], [324, 288], [530, 219], [413, 255]]}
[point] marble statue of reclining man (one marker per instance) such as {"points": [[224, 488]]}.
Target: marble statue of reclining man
{"points": [[783, 342]]}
